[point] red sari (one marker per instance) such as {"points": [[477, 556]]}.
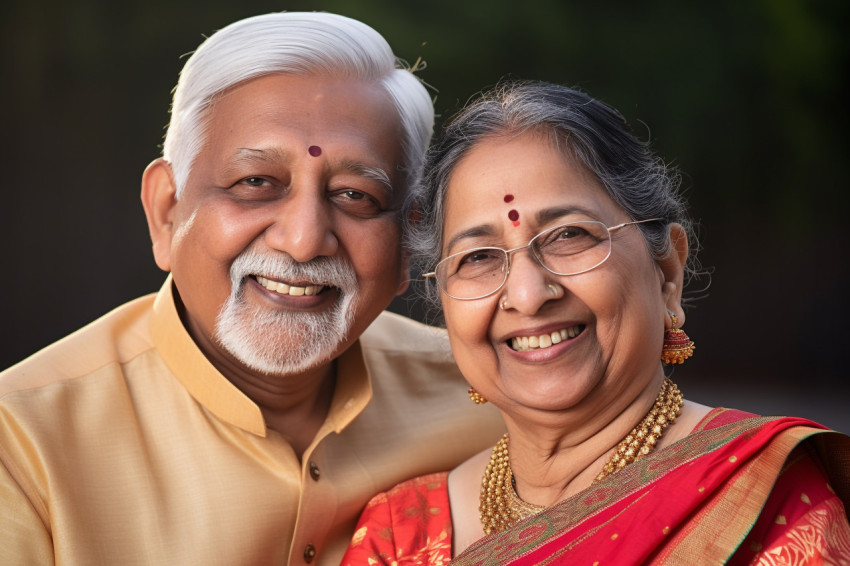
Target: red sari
{"points": [[739, 490]]}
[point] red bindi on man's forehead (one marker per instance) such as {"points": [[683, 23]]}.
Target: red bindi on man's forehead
{"points": [[314, 150]]}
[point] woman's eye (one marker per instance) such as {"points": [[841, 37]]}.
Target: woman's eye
{"points": [[478, 256], [571, 232]]}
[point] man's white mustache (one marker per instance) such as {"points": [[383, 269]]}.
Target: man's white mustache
{"points": [[324, 271]]}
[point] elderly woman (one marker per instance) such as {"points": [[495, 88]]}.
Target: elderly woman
{"points": [[559, 247]]}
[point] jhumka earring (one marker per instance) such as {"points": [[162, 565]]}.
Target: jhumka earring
{"points": [[475, 396], [677, 346]]}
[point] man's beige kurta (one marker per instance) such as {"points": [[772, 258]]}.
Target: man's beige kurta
{"points": [[122, 444]]}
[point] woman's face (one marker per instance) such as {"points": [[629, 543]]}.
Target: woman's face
{"points": [[503, 193]]}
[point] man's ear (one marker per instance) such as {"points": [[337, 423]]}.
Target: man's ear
{"points": [[159, 196], [404, 273], [673, 272], [413, 217]]}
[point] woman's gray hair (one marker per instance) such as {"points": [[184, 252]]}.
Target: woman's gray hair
{"points": [[299, 43], [591, 131]]}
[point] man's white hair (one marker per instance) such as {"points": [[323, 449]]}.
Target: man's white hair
{"points": [[300, 43]]}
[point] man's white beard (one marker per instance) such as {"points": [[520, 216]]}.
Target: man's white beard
{"points": [[282, 342]]}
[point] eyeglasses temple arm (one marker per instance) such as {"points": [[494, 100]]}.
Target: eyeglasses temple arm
{"points": [[624, 224]]}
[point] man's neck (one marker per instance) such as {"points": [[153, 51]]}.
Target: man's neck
{"points": [[294, 406]]}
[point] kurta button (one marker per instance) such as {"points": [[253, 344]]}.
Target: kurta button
{"points": [[314, 471], [309, 553]]}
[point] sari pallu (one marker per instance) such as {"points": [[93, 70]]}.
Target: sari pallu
{"points": [[738, 490]]}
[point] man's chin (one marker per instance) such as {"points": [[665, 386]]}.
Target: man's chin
{"points": [[277, 365], [263, 347]]}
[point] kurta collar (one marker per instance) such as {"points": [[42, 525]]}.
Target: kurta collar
{"points": [[218, 395]]}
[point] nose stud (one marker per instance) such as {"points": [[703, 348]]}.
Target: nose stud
{"points": [[503, 303]]}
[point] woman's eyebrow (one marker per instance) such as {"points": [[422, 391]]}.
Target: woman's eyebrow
{"points": [[547, 215], [473, 232]]}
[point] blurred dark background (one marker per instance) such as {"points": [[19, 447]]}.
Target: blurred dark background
{"points": [[749, 99]]}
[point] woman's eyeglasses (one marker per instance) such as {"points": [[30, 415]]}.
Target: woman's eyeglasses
{"points": [[568, 249]]}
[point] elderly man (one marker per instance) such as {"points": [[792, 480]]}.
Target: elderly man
{"points": [[246, 413]]}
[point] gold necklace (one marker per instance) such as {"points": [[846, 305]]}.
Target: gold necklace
{"points": [[500, 506]]}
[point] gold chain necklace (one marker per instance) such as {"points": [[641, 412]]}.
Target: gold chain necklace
{"points": [[500, 506]]}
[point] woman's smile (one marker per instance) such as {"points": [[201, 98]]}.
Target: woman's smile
{"points": [[525, 343]]}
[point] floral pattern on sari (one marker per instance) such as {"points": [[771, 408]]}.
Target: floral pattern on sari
{"points": [[410, 525], [820, 537], [802, 523]]}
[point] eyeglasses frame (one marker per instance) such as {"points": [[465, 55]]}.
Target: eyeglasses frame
{"points": [[509, 252]]}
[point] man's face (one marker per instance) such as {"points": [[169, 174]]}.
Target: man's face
{"points": [[285, 244]]}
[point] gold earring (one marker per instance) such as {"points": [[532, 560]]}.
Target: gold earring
{"points": [[677, 346], [475, 396]]}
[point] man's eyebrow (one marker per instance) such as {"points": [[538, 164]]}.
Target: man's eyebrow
{"points": [[374, 173], [268, 155]]}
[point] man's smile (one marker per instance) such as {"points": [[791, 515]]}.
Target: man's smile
{"points": [[287, 289]]}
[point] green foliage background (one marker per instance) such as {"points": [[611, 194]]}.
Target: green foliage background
{"points": [[749, 98]]}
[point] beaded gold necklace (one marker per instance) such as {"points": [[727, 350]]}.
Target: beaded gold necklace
{"points": [[500, 506]]}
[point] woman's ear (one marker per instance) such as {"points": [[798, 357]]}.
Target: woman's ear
{"points": [[673, 271], [159, 195]]}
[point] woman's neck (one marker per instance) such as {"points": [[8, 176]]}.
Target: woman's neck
{"points": [[553, 461]]}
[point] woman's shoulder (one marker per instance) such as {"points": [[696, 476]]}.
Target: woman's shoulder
{"points": [[464, 488], [465, 479]]}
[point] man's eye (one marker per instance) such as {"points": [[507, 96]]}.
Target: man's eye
{"points": [[254, 181], [357, 203]]}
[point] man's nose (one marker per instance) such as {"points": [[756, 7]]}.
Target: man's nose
{"points": [[303, 226]]}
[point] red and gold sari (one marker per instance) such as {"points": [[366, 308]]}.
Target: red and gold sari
{"points": [[739, 490]]}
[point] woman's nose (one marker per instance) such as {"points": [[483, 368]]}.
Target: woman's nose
{"points": [[527, 288]]}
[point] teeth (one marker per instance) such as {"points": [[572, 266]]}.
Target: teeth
{"points": [[291, 290], [525, 343]]}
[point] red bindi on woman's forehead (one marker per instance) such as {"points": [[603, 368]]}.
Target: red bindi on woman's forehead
{"points": [[513, 215], [314, 150]]}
